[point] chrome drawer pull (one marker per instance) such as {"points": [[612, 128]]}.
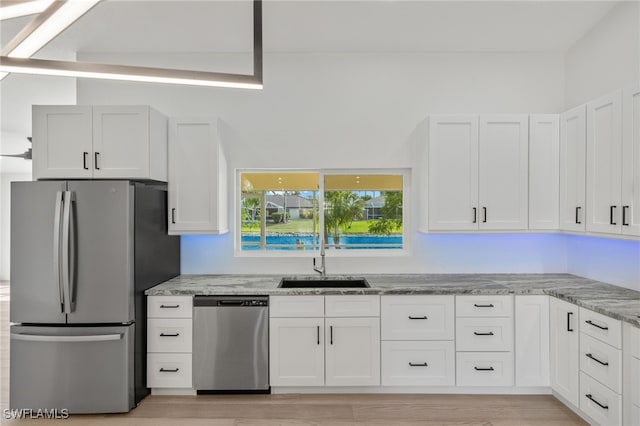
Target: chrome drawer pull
{"points": [[175, 370], [415, 364], [169, 335], [483, 369], [417, 318], [483, 334], [169, 306], [596, 325], [490, 305], [606, 407], [596, 359]]}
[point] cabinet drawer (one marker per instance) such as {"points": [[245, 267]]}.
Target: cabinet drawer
{"points": [[484, 369], [484, 334], [601, 327], [169, 371], [599, 402], [169, 306], [418, 363], [169, 334], [352, 306], [417, 317], [601, 361], [484, 306], [631, 340], [296, 306]]}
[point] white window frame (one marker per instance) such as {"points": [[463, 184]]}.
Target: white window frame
{"points": [[406, 209]]}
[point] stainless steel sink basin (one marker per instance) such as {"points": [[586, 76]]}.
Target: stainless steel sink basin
{"points": [[323, 282]]}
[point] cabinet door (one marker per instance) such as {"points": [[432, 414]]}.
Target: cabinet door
{"points": [[572, 169], [197, 180], [62, 138], [503, 172], [604, 164], [564, 349], [453, 172], [544, 171], [352, 351], [121, 142], [296, 351], [532, 340], [631, 162]]}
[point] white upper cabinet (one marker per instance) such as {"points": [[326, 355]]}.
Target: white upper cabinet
{"points": [[453, 172], [62, 142], [101, 142], [630, 219], [572, 169], [544, 171], [503, 172], [604, 164], [197, 178], [478, 172]]}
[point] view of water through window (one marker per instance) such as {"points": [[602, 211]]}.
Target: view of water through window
{"points": [[280, 211]]}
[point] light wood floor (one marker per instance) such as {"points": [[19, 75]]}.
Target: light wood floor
{"points": [[311, 410]]}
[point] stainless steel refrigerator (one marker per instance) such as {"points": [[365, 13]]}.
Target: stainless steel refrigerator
{"points": [[82, 254]]}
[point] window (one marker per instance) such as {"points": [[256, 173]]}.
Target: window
{"points": [[280, 211]]}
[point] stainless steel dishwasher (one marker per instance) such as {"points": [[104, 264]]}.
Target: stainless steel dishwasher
{"points": [[231, 343]]}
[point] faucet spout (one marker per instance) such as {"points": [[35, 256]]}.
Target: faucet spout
{"points": [[322, 269]]}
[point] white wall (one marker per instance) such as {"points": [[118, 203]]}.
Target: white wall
{"points": [[604, 259], [17, 94], [359, 110], [606, 58], [5, 219]]}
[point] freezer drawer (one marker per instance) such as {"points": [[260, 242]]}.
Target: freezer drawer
{"points": [[82, 369]]}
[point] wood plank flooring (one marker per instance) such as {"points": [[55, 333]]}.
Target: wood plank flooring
{"points": [[310, 410]]}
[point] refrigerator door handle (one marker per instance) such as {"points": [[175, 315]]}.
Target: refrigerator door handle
{"points": [[58, 339], [57, 217], [66, 240]]}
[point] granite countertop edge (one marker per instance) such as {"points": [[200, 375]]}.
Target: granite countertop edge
{"points": [[613, 301]]}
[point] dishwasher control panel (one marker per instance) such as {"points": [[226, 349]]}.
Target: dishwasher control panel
{"points": [[257, 301]]}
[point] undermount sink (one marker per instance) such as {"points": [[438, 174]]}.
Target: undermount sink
{"points": [[323, 282]]}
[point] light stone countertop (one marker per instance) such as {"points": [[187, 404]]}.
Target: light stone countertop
{"points": [[613, 301]]}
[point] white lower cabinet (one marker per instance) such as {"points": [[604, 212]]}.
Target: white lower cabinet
{"points": [[308, 350], [296, 351], [484, 340], [169, 342], [484, 368], [418, 363], [564, 349], [599, 402], [532, 340], [352, 350], [418, 347], [631, 378]]}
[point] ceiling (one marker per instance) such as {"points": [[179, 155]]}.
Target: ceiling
{"points": [[327, 26], [308, 26]]}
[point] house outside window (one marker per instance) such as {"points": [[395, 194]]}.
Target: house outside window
{"points": [[280, 214]]}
